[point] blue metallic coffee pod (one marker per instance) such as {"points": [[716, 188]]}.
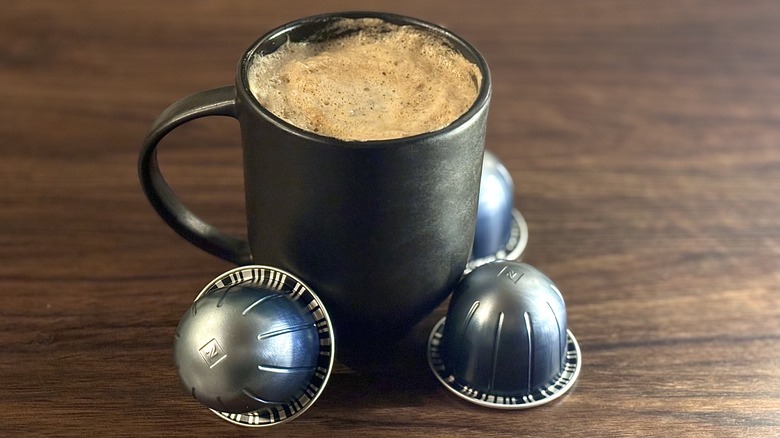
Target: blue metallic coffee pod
{"points": [[494, 215], [505, 342], [501, 231], [256, 346]]}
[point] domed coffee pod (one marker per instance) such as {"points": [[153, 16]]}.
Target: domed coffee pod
{"points": [[501, 231], [256, 347], [504, 342]]}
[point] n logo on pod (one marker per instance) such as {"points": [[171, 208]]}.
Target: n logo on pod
{"points": [[212, 353]]}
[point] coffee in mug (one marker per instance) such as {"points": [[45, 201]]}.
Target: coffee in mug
{"points": [[378, 81]]}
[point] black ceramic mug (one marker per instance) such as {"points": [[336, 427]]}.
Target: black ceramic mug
{"points": [[381, 230]]}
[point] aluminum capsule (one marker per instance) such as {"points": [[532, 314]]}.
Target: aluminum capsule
{"points": [[504, 342]]}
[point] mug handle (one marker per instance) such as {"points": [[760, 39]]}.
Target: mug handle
{"points": [[217, 102]]}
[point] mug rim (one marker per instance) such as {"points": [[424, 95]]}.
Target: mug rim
{"points": [[460, 44]]}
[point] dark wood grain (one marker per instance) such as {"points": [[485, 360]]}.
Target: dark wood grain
{"points": [[643, 137]]}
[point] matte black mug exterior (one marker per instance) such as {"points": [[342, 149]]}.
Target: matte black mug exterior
{"points": [[381, 230]]}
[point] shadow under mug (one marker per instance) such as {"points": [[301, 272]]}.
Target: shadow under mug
{"points": [[381, 230]]}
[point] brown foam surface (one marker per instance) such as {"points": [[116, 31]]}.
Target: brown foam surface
{"points": [[381, 82]]}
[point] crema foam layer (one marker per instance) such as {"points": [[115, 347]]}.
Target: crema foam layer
{"points": [[379, 81]]}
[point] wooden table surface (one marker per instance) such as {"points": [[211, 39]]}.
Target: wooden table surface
{"points": [[643, 138]]}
